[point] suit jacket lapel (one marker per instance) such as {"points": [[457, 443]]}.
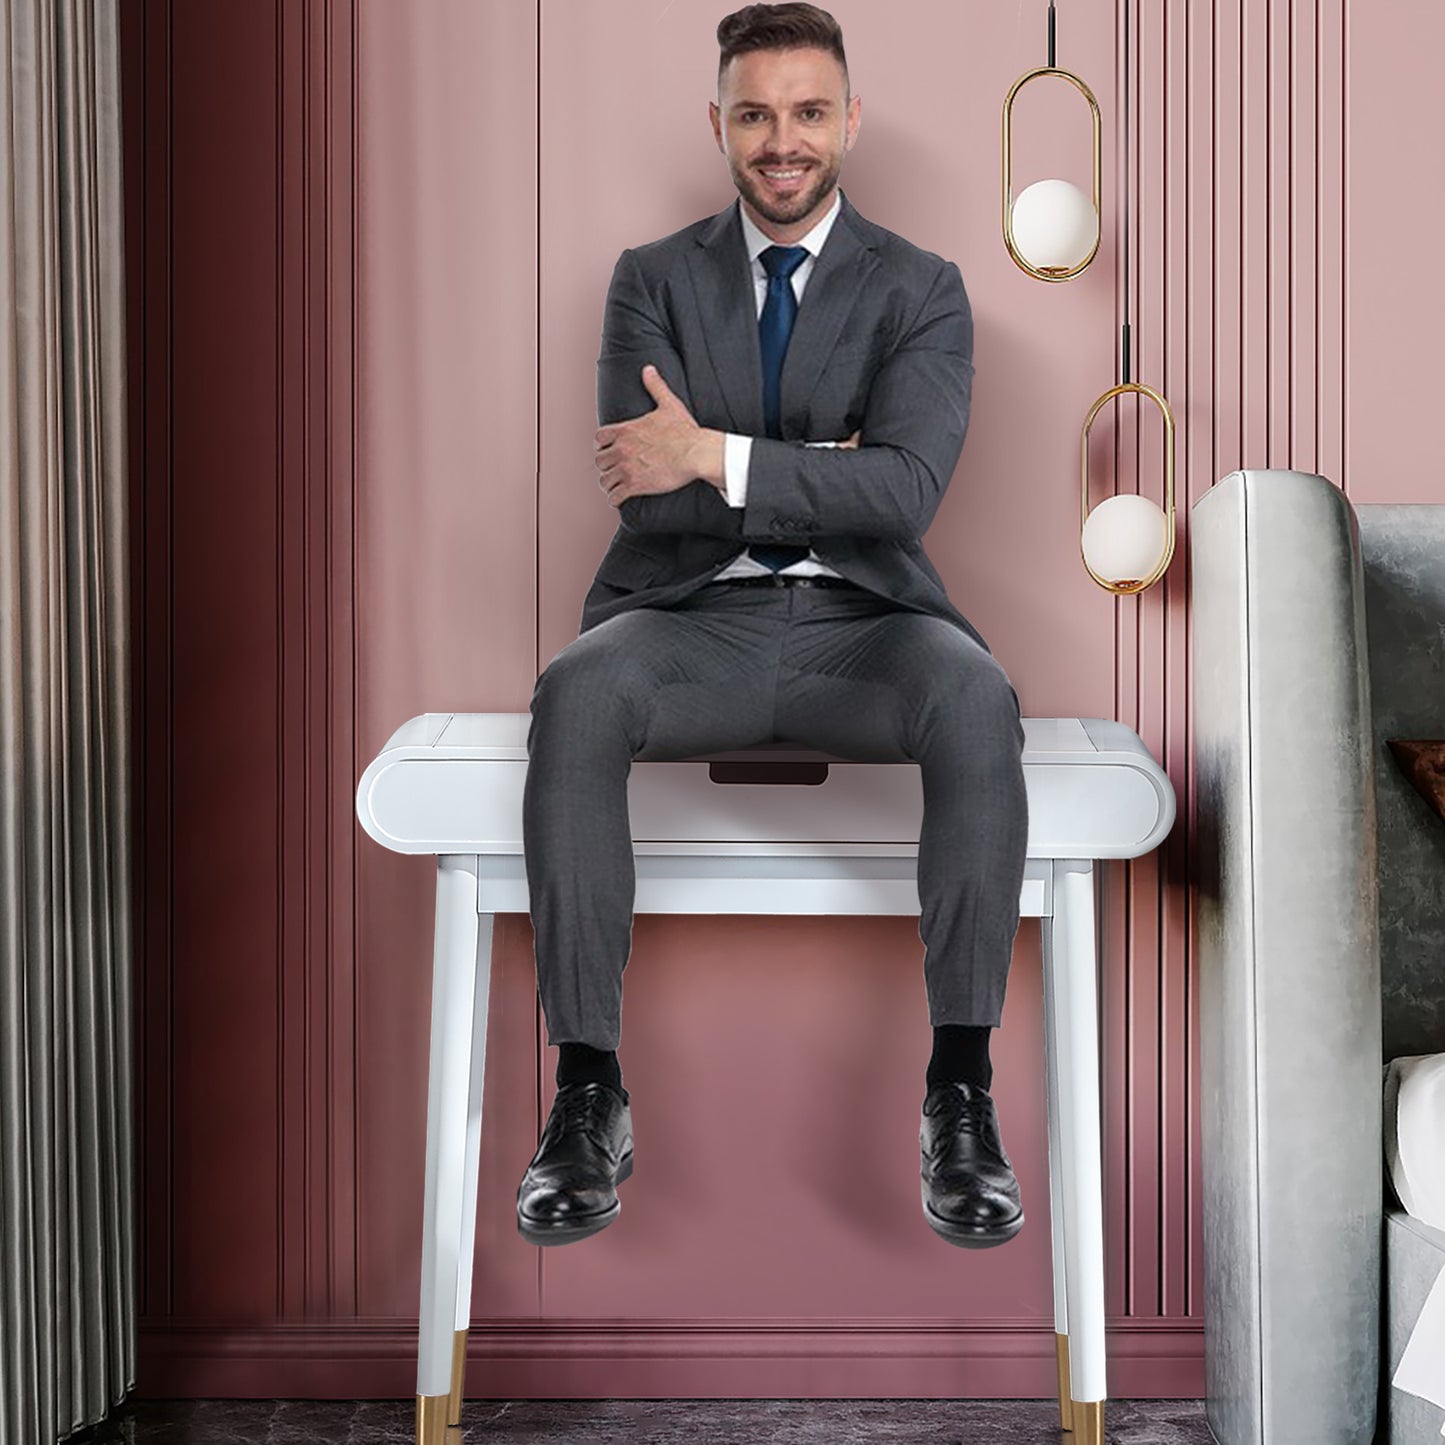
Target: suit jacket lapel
{"points": [[839, 278], [722, 283]]}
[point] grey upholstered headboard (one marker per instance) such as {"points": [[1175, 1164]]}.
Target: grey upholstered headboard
{"points": [[1403, 550], [1319, 633], [1288, 961]]}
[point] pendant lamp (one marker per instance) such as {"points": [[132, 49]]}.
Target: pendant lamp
{"points": [[1126, 542], [1052, 231]]}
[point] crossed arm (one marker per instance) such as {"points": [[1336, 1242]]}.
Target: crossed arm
{"points": [[914, 424]]}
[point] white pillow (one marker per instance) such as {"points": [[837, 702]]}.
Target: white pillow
{"points": [[1415, 1134]]}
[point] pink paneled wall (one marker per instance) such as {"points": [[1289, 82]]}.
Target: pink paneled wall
{"points": [[446, 549], [750, 1045], [392, 291], [1391, 308]]}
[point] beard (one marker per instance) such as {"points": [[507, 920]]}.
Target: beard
{"points": [[782, 210]]}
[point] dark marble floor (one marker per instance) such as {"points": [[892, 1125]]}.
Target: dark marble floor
{"points": [[643, 1422]]}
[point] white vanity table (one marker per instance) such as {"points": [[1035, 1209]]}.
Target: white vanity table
{"points": [[769, 830]]}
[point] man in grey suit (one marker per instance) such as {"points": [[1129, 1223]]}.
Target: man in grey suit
{"points": [[783, 391]]}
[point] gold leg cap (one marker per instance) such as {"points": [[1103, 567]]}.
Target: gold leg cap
{"points": [[431, 1420], [1088, 1421], [459, 1368], [1061, 1351]]}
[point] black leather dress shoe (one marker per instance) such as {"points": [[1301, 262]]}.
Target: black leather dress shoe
{"points": [[970, 1195], [570, 1188]]}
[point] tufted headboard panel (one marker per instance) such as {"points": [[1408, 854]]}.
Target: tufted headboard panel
{"points": [[1403, 548]]}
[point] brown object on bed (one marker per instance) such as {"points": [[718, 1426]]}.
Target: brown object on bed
{"points": [[1424, 764]]}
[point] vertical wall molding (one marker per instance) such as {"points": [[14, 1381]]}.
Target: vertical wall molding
{"points": [[314, 401], [334, 1078], [292, 521], [1237, 267], [145, 98], [315, 370]]}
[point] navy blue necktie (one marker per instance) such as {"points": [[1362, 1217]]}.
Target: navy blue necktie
{"points": [[775, 326]]}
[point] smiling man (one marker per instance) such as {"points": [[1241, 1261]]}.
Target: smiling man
{"points": [[783, 391]]}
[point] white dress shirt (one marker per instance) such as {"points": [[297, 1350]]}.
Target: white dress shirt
{"points": [[738, 449]]}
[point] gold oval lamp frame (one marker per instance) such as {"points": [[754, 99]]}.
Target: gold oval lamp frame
{"points": [[1132, 587], [1049, 273]]}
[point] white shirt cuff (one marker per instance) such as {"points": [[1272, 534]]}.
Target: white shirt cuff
{"points": [[736, 451]]}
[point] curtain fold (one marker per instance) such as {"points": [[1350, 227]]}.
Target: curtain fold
{"points": [[67, 1217]]}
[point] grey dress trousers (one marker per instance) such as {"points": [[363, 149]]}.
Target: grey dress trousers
{"points": [[842, 669]]}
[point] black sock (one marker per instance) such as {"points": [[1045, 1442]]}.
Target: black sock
{"points": [[960, 1053], [582, 1064]]}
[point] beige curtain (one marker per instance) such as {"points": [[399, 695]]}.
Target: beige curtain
{"points": [[67, 1221]]}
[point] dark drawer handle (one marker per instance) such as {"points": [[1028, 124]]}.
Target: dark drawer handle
{"points": [[810, 774]]}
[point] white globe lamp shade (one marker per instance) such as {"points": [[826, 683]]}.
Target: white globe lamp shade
{"points": [[1054, 226], [1125, 539]]}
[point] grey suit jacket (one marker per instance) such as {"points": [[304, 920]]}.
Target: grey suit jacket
{"points": [[883, 340]]}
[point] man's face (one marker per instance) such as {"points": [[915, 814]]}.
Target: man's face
{"points": [[781, 110]]}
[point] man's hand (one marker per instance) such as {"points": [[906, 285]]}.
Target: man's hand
{"points": [[662, 450], [656, 452]]}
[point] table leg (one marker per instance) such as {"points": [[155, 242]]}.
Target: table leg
{"points": [[1071, 965], [454, 980], [472, 1166], [1056, 1181]]}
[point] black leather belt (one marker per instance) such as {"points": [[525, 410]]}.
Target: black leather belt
{"points": [[779, 579]]}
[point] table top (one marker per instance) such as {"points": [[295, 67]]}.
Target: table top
{"points": [[452, 783], [504, 735]]}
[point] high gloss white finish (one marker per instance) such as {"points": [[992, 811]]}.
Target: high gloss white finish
{"points": [[1094, 792], [1069, 963], [450, 784], [480, 996], [1051, 1107], [457, 993], [701, 878]]}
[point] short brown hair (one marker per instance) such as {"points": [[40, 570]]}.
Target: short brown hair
{"points": [[794, 25]]}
